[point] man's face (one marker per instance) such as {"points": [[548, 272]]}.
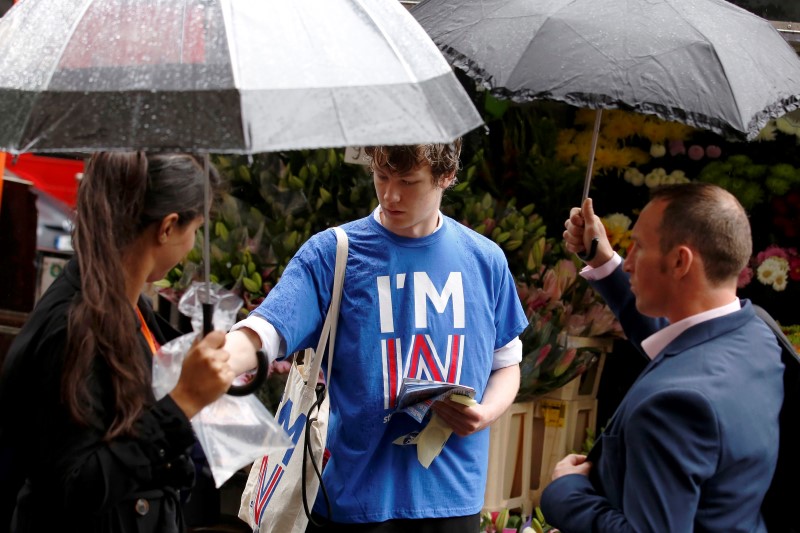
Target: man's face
{"points": [[410, 202], [647, 265]]}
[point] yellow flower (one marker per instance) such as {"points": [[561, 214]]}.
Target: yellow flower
{"points": [[676, 130], [618, 230], [655, 130], [619, 124]]}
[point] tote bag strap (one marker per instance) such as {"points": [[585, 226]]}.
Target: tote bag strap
{"points": [[328, 335]]}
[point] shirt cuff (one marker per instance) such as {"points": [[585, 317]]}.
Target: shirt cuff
{"points": [[604, 270], [270, 338], [508, 355]]}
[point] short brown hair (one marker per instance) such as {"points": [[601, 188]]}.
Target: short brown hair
{"points": [[712, 221], [442, 158]]}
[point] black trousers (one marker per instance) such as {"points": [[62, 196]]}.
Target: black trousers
{"points": [[458, 524]]}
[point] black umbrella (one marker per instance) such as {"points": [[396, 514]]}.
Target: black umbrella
{"points": [[706, 63]]}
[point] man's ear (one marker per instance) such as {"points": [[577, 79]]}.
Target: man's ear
{"points": [[167, 226], [681, 260], [447, 180]]}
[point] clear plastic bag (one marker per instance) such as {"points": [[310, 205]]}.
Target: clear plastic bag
{"points": [[233, 431]]}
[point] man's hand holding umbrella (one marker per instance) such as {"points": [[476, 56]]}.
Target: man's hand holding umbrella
{"points": [[582, 227]]}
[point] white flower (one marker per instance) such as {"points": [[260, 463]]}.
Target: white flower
{"points": [[780, 281], [633, 176], [658, 150], [678, 176], [771, 269], [654, 178]]}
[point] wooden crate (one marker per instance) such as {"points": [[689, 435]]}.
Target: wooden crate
{"points": [[559, 428], [510, 443], [526, 443], [531, 437]]}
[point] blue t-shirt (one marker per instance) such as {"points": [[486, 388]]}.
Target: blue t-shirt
{"points": [[435, 307]]}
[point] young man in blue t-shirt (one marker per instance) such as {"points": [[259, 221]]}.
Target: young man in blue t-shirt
{"points": [[424, 297]]}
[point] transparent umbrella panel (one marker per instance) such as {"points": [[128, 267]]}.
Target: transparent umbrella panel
{"points": [[222, 76]]}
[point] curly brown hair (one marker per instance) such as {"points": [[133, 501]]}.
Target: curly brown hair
{"points": [[442, 158]]}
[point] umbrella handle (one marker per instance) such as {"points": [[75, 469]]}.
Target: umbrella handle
{"points": [[208, 315], [588, 256], [257, 381]]}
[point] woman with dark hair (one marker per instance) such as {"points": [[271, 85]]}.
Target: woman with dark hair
{"points": [[92, 447]]}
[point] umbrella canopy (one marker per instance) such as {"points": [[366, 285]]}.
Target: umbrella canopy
{"points": [[222, 76], [706, 63]]}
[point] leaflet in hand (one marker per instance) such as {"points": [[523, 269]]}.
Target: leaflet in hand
{"points": [[417, 395]]}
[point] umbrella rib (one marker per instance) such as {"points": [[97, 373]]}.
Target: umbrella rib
{"points": [[389, 41], [527, 97], [50, 75], [234, 57], [401, 60], [724, 70], [75, 24]]}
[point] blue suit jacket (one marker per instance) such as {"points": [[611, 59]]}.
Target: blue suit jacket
{"points": [[693, 445]]}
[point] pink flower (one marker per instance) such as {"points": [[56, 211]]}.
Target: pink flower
{"points": [[544, 351], [773, 251], [696, 152], [536, 300], [576, 324], [557, 279], [550, 285], [677, 148], [794, 269], [713, 151], [563, 365], [745, 277]]}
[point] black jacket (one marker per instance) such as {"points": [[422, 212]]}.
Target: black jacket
{"points": [[73, 479]]}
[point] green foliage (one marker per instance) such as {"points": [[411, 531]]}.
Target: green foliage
{"points": [[516, 159], [273, 204], [752, 183], [519, 232]]}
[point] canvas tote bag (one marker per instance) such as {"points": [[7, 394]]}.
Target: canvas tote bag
{"points": [[281, 487]]}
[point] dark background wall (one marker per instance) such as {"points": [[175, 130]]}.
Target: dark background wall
{"points": [[786, 10]]}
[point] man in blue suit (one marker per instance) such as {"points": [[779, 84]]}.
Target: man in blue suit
{"points": [[694, 443]]}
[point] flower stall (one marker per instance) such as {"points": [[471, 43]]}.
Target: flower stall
{"points": [[518, 182]]}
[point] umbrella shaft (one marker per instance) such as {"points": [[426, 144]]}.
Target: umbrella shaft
{"points": [[587, 183], [206, 229]]}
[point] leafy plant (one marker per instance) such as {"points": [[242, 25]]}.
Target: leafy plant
{"points": [[274, 203]]}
